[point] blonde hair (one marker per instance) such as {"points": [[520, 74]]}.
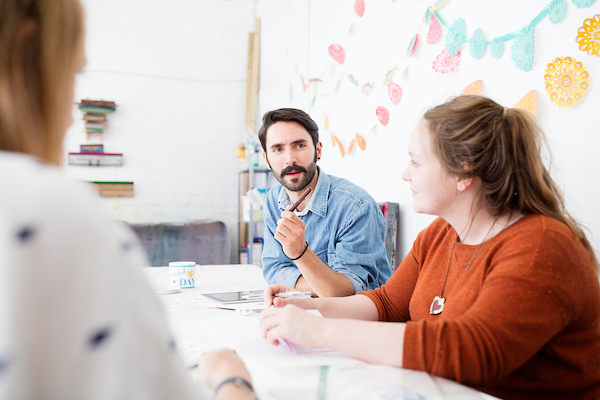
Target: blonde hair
{"points": [[39, 41], [474, 136]]}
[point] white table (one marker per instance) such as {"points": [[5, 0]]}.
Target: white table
{"points": [[198, 326]]}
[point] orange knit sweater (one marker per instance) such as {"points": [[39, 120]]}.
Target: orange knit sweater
{"points": [[524, 321]]}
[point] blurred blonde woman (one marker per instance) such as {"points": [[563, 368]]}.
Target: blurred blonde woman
{"points": [[500, 292], [77, 318]]}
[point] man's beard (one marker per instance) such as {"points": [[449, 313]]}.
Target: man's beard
{"points": [[295, 184]]}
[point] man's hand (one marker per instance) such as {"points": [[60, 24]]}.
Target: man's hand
{"points": [[290, 233], [216, 366]]}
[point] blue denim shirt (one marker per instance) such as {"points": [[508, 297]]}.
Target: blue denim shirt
{"points": [[344, 227]]}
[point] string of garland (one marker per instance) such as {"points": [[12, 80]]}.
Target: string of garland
{"points": [[523, 47]]}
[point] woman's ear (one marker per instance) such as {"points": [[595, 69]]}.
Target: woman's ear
{"points": [[462, 184]]}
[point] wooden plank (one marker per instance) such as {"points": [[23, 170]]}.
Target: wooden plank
{"points": [[249, 81], [255, 73]]}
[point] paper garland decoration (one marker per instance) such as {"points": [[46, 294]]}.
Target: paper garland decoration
{"points": [[588, 36], [340, 146], [383, 115], [529, 102], [473, 88], [366, 89], [395, 93], [360, 141], [566, 81], [351, 146], [445, 63], [359, 7], [583, 3], [337, 53], [412, 47], [435, 30], [523, 47]]}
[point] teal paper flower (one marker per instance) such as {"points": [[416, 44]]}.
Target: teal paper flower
{"points": [[558, 10], [456, 36], [522, 49], [583, 3], [497, 48], [477, 44]]}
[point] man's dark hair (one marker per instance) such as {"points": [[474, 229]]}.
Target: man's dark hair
{"points": [[288, 115]]}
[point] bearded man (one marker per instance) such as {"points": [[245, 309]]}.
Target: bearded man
{"points": [[333, 243]]}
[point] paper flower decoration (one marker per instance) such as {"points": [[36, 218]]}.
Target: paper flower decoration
{"points": [[359, 7], [456, 36], [477, 44], [445, 63], [416, 45], [395, 93], [566, 81], [340, 146], [529, 102], [360, 141], [497, 48], [589, 36], [351, 146], [522, 49], [583, 3], [435, 30], [337, 53], [366, 89], [383, 115], [473, 88], [558, 10]]}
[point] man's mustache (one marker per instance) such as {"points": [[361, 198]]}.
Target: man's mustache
{"points": [[292, 168]]}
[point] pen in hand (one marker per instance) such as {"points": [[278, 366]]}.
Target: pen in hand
{"points": [[301, 199], [294, 295]]}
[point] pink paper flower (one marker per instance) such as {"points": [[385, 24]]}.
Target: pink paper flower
{"points": [[382, 115], [395, 93], [435, 30], [359, 7], [337, 53], [445, 63]]}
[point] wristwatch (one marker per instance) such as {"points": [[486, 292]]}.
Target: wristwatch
{"points": [[239, 382]]}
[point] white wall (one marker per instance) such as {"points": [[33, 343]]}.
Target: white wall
{"points": [[177, 70], [297, 34]]}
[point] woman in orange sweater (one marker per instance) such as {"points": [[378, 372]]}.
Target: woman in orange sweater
{"points": [[500, 292]]}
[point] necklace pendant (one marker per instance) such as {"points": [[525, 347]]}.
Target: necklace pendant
{"points": [[437, 305]]}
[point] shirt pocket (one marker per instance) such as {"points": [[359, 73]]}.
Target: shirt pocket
{"points": [[323, 256]]}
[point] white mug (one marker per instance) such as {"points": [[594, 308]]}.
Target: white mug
{"points": [[182, 274]]}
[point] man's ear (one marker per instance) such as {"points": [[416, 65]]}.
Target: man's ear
{"points": [[264, 154], [319, 150]]}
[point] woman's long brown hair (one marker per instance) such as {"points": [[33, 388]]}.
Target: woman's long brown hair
{"points": [[474, 136], [38, 45]]}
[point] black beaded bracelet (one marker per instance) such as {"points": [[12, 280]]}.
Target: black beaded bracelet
{"points": [[297, 258], [242, 383]]}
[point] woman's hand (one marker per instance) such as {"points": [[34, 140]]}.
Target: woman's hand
{"points": [[294, 324], [216, 366]]}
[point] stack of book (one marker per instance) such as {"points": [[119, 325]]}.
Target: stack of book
{"points": [[114, 189], [95, 113]]}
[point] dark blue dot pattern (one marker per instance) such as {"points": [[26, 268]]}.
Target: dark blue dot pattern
{"points": [[125, 246], [25, 234], [99, 337]]}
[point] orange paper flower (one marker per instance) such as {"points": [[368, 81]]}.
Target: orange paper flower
{"points": [[566, 81], [589, 36], [473, 88], [529, 102]]}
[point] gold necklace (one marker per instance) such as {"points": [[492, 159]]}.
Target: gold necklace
{"points": [[437, 305]]}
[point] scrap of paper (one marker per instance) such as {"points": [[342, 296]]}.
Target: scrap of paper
{"points": [[337, 53], [435, 30], [566, 81], [588, 36], [445, 63], [529, 102], [360, 141], [383, 115], [473, 88], [395, 93], [359, 7]]}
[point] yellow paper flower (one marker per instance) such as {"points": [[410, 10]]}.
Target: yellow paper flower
{"points": [[566, 81], [529, 102], [589, 36]]}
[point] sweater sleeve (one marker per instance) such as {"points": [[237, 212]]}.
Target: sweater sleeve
{"points": [[392, 299]]}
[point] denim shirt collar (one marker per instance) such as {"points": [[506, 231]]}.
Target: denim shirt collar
{"points": [[318, 201]]}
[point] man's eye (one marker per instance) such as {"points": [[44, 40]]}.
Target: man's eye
{"points": [[276, 150]]}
